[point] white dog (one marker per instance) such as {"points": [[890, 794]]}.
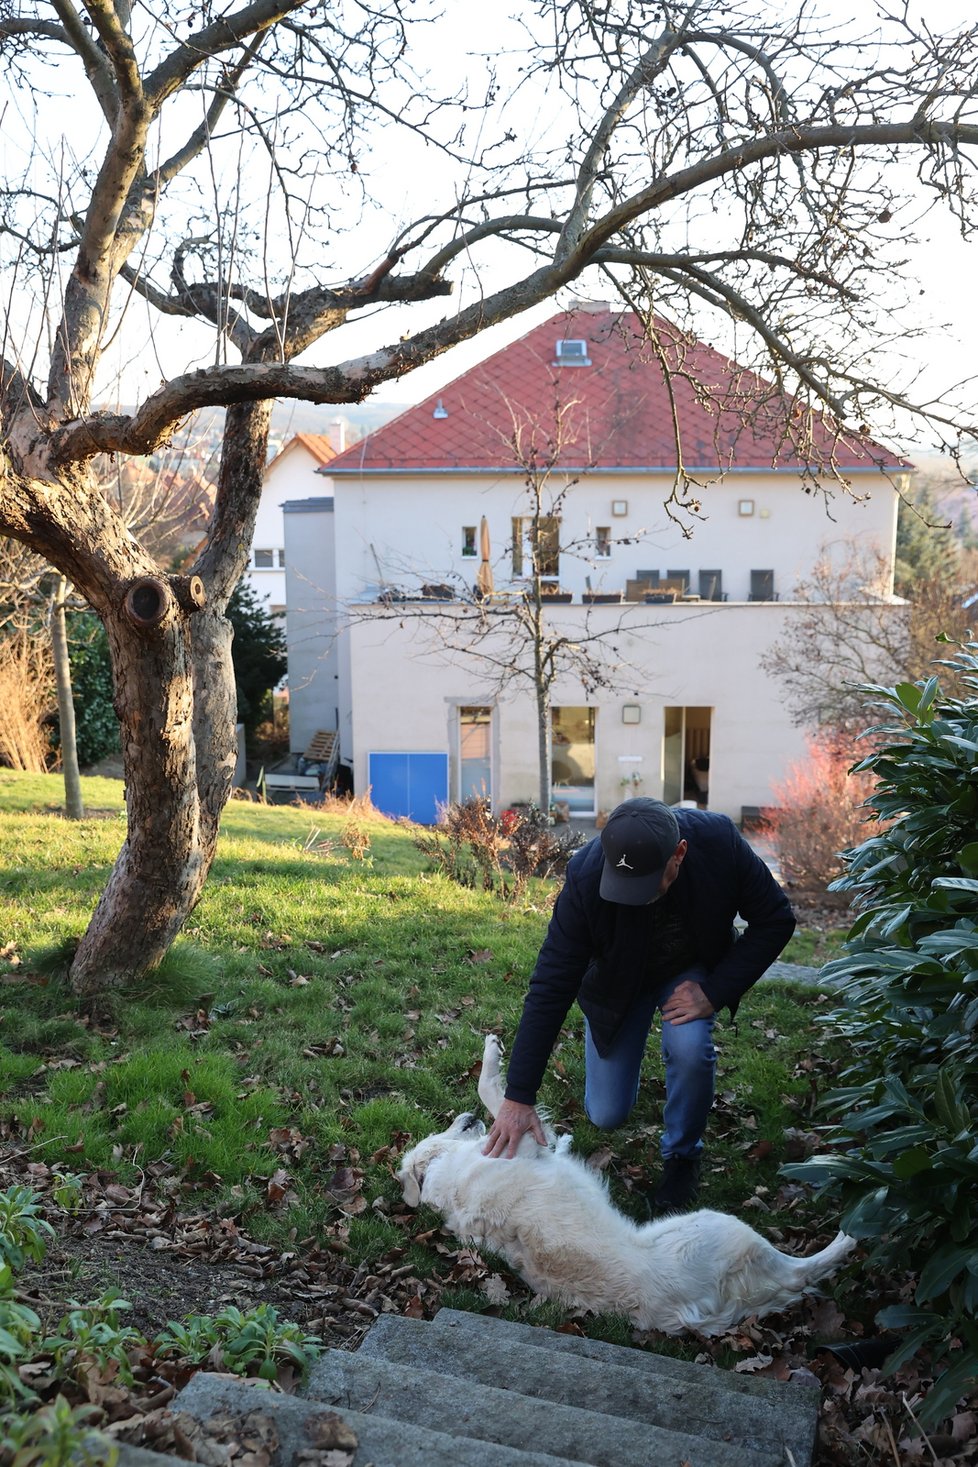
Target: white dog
{"points": [[549, 1216]]}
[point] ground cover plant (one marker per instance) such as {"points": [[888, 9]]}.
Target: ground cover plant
{"points": [[228, 1140]]}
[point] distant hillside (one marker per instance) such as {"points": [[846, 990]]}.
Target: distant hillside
{"points": [[308, 417], [955, 499], [200, 437]]}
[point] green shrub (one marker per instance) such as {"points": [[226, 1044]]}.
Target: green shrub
{"points": [[903, 1123], [258, 654], [23, 1231], [96, 724], [93, 1333]]}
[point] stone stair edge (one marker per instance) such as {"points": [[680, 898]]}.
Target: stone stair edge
{"points": [[487, 1413], [382, 1441], [632, 1357], [582, 1410], [393, 1442]]}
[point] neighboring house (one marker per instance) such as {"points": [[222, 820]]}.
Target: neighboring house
{"points": [[684, 711], [289, 474]]}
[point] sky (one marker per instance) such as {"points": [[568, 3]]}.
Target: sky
{"points": [[943, 262]]}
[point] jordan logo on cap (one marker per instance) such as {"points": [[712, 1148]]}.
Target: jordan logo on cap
{"points": [[626, 865]]}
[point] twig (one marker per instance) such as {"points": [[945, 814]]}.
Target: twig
{"points": [[910, 1412], [893, 1441], [48, 1141]]}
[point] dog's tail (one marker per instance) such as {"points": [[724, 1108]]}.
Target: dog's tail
{"points": [[820, 1265]]}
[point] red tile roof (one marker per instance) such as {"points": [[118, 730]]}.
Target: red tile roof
{"points": [[318, 445], [617, 412]]}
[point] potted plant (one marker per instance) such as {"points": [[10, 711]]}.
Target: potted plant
{"points": [[603, 598]]}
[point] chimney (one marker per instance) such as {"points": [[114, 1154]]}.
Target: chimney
{"points": [[338, 434]]}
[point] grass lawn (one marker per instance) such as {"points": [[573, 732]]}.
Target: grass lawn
{"points": [[320, 1011]]}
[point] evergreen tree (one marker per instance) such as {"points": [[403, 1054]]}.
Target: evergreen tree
{"points": [[258, 654], [96, 724], [926, 546]]}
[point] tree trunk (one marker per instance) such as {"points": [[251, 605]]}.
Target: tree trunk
{"points": [[74, 809], [174, 694], [541, 684], [543, 724]]}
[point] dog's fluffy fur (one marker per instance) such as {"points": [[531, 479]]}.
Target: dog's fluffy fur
{"points": [[549, 1216]]}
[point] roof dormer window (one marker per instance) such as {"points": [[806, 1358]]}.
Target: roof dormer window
{"points": [[572, 353]]}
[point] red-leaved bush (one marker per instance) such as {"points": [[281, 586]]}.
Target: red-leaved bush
{"points": [[818, 813]]}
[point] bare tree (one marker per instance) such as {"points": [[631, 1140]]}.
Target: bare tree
{"points": [[849, 632], [713, 156], [166, 504], [26, 652]]}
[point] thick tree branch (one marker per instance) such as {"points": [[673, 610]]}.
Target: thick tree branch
{"points": [[801, 138], [212, 40], [201, 136], [79, 339], [652, 63], [117, 47]]}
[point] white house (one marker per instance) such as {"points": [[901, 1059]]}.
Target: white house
{"points": [[569, 436], [289, 474]]}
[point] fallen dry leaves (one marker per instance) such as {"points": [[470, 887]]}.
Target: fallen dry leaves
{"points": [[122, 1230]]}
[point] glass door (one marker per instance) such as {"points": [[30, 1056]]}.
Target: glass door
{"points": [[686, 756], [474, 753], [572, 762]]}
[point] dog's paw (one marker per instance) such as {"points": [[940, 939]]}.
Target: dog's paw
{"points": [[492, 1050]]}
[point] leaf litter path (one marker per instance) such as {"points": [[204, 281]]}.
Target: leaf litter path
{"points": [[169, 1259]]}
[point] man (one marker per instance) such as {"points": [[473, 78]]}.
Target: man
{"points": [[645, 922]]}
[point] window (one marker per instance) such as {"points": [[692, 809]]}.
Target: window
{"points": [[536, 546], [468, 539], [572, 354], [602, 541], [267, 559], [678, 581]]}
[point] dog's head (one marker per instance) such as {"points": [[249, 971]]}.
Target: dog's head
{"points": [[415, 1163]]}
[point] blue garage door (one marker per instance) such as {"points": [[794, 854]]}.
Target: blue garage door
{"points": [[413, 785]]}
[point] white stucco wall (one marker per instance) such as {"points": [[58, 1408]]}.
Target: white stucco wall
{"points": [[393, 691], [406, 690], [292, 475], [403, 530], [311, 620]]}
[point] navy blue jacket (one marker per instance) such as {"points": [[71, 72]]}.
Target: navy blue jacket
{"points": [[596, 951]]}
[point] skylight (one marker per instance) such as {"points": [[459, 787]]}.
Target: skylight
{"points": [[572, 353]]}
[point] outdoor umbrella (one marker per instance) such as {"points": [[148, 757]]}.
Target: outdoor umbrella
{"points": [[484, 582]]}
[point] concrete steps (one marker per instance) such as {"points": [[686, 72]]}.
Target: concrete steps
{"points": [[471, 1389]]}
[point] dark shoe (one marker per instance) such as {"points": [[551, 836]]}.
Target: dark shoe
{"points": [[679, 1187]]}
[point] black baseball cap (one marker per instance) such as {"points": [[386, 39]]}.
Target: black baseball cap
{"points": [[638, 841]]}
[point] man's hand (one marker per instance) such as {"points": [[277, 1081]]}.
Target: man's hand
{"points": [[686, 1003], [512, 1122]]}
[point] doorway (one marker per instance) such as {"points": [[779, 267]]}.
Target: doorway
{"points": [[475, 753], [686, 755], [572, 761]]}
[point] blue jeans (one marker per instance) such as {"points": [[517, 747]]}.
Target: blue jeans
{"points": [[611, 1083]]}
